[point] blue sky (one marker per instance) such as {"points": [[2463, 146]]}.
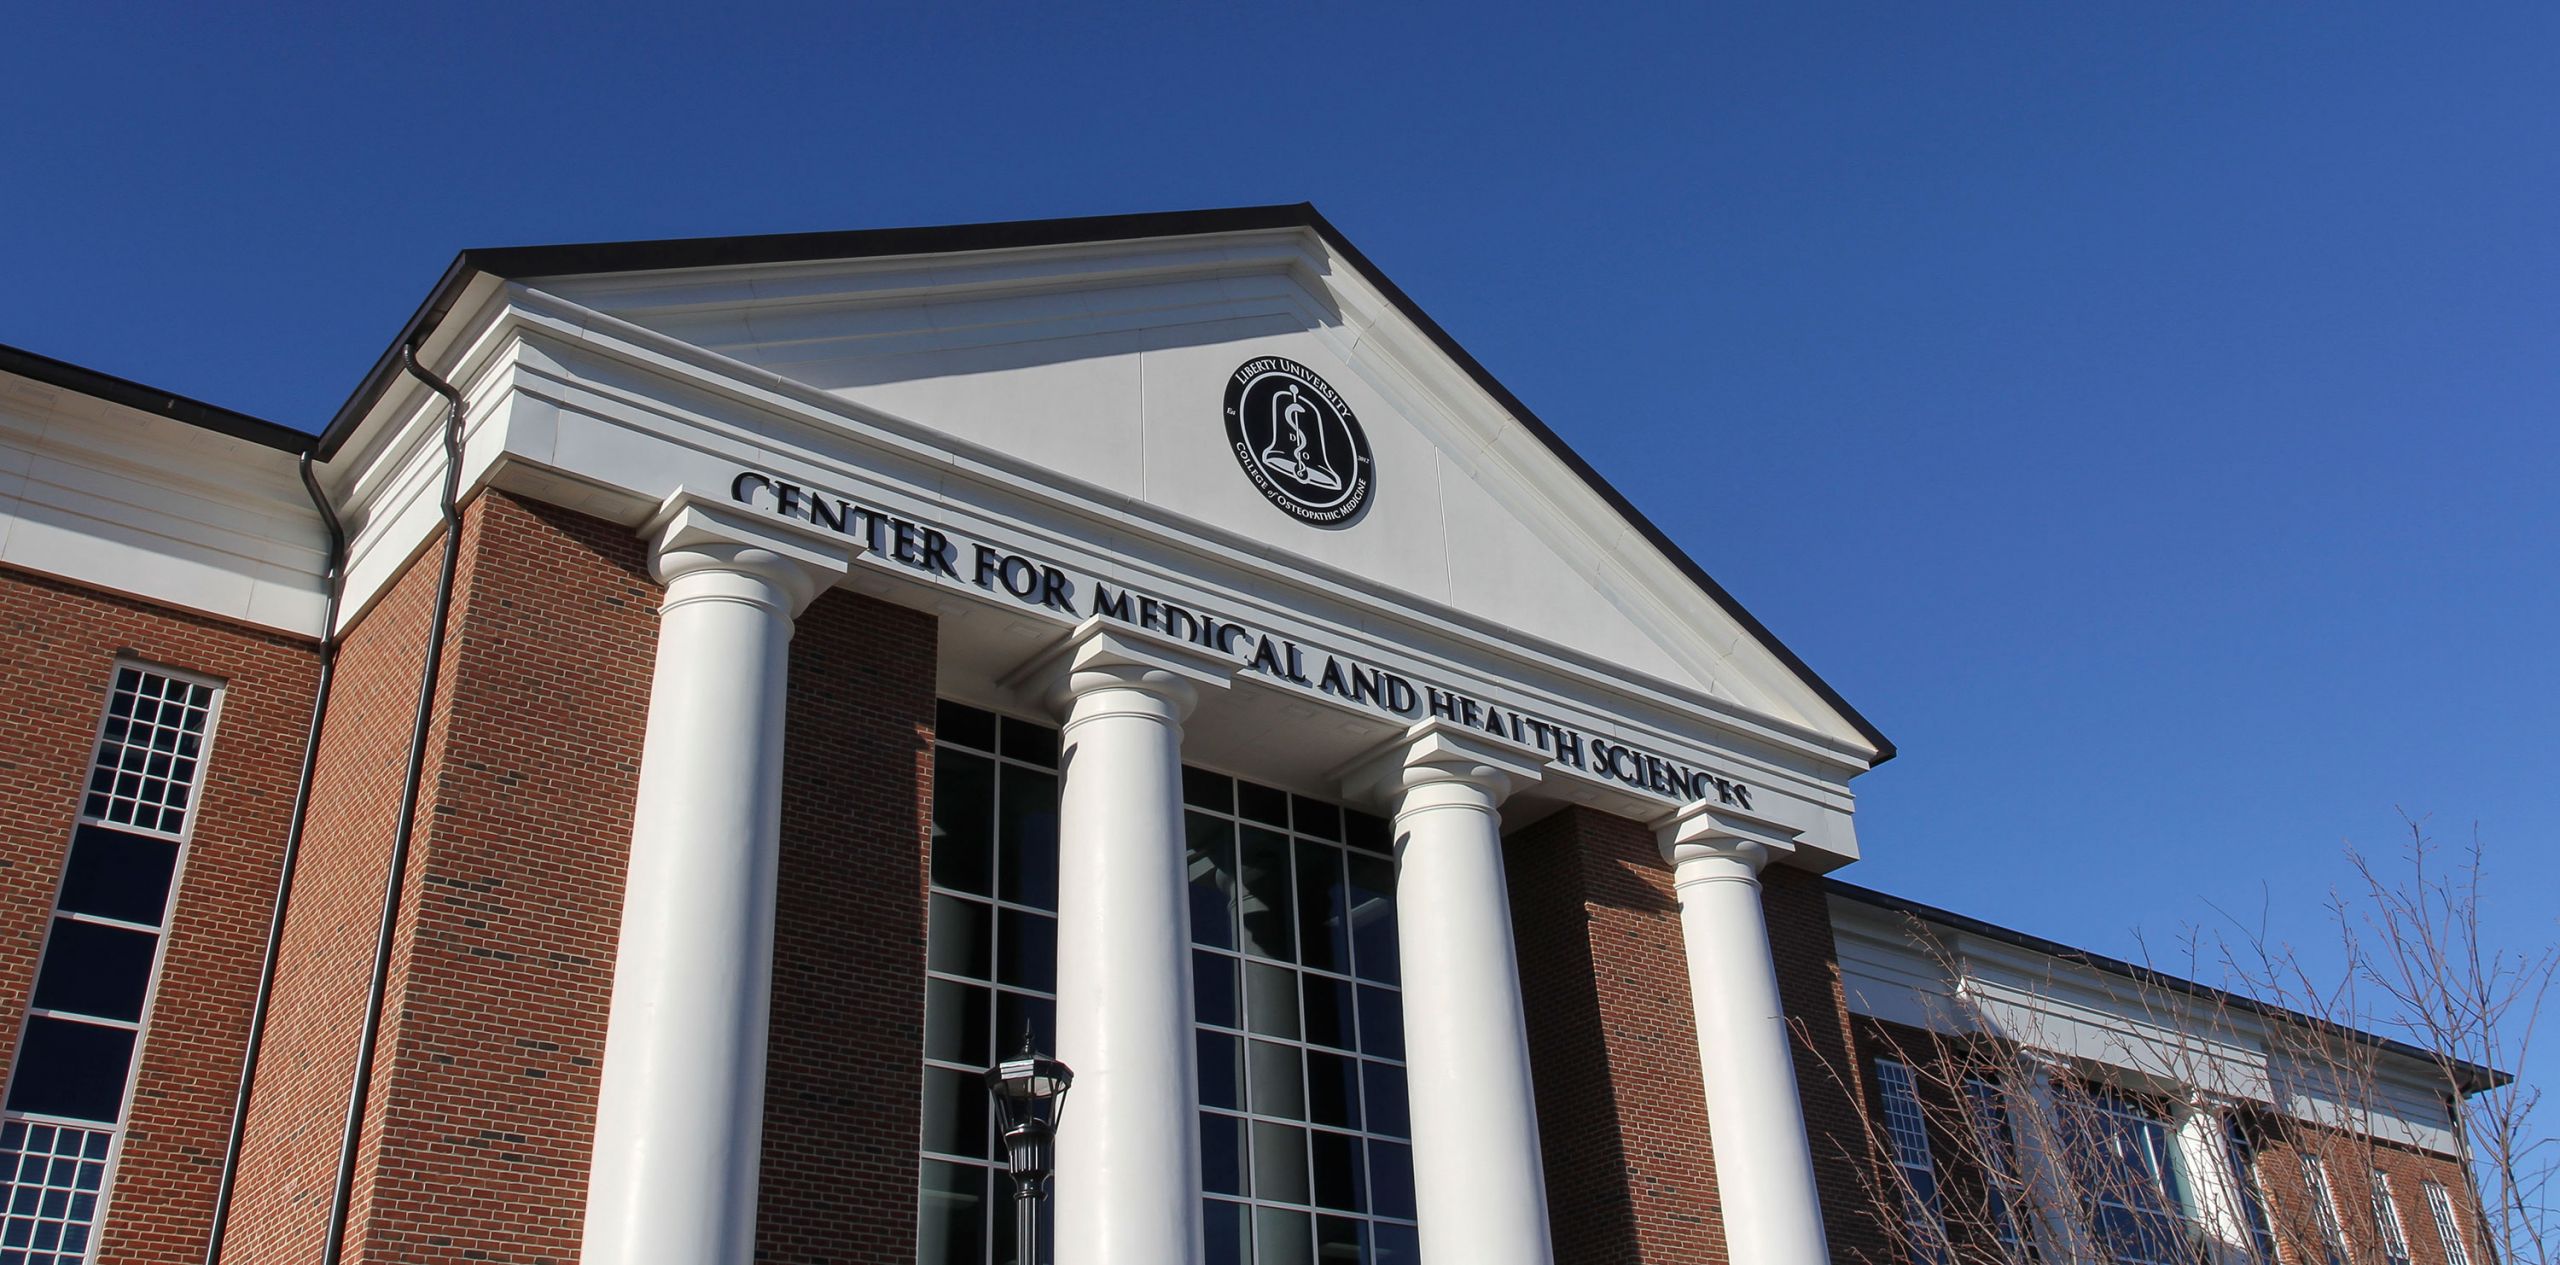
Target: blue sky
{"points": [[2143, 413]]}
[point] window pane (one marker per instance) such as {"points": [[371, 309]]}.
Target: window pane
{"points": [[1282, 1237], [1339, 1183], [1271, 1000], [1381, 1023], [964, 805], [957, 937], [1212, 865], [966, 726], [955, 1023], [1268, 909], [1315, 817], [95, 970], [1394, 1245], [1215, 996], [116, 875], [1027, 837], [72, 1069], [1391, 1179], [1327, 1011], [1279, 1162], [1221, 1071], [1324, 929], [1016, 1012], [1035, 744], [951, 1215], [1277, 1080], [955, 1112], [1204, 789], [1388, 1111], [1363, 831], [1027, 950], [1262, 804], [1333, 1089], [1230, 1239], [1222, 1156]]}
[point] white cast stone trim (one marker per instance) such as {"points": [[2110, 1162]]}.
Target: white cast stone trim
{"points": [[1755, 1121], [1128, 1161], [1479, 1184], [679, 1121]]}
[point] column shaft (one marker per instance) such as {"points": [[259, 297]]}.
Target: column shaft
{"points": [[1479, 1182], [680, 1111], [1755, 1119]]}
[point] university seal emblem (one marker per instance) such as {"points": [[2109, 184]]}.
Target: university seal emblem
{"points": [[1298, 441]]}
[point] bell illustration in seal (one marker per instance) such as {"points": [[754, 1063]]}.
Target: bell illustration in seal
{"points": [[1297, 444]]}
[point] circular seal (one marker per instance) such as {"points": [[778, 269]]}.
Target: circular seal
{"points": [[1297, 441]]}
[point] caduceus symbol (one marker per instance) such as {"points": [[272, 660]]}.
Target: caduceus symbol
{"points": [[1305, 459]]}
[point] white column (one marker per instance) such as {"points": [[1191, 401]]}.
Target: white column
{"points": [[680, 1116], [1755, 1120], [2204, 1158], [1128, 1166], [1479, 1183]]}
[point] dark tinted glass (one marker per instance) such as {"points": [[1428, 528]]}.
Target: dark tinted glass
{"points": [[1278, 1086], [1336, 1159], [1316, 817], [1372, 898], [1212, 863], [1388, 1112], [1027, 837], [73, 1069], [951, 1214], [116, 875], [957, 937], [1215, 996], [1361, 830], [1381, 1023], [1222, 1157], [1324, 931], [1263, 804], [1204, 789], [95, 970], [1333, 1089], [1221, 1071], [1391, 1179], [955, 1112], [1280, 1166], [1033, 744], [1394, 1245], [955, 1026], [966, 726], [964, 805], [1268, 910], [1020, 1012], [1027, 950], [1230, 1241], [1327, 1011]]}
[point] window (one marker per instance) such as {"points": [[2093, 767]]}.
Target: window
{"points": [[2243, 1153], [66, 1099], [2448, 1227], [2125, 1161], [2005, 1190], [2386, 1221], [991, 944], [2324, 1210], [1304, 1133], [1923, 1211]]}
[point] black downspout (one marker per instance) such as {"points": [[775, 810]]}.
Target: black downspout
{"points": [[352, 1134], [331, 576]]}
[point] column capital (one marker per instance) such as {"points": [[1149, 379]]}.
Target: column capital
{"points": [[1708, 829], [692, 533], [1435, 751], [1103, 653]]}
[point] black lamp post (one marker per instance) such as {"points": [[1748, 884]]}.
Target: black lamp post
{"points": [[1031, 1094]]}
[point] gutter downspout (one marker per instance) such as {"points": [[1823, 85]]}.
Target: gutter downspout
{"points": [[351, 1135], [333, 577]]}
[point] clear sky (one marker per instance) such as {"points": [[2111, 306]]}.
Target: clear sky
{"points": [[2144, 413]]}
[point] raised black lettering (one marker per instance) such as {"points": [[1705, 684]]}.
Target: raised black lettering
{"points": [[1115, 605], [738, 487], [1056, 592], [989, 561]]}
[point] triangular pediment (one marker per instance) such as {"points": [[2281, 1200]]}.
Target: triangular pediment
{"points": [[1113, 364]]}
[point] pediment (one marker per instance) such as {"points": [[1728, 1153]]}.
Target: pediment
{"points": [[1111, 364]]}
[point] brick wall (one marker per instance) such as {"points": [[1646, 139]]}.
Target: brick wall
{"points": [[2350, 1161], [62, 641], [1621, 1117], [843, 1074], [483, 1100]]}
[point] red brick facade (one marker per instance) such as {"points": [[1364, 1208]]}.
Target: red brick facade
{"points": [[63, 641], [844, 1070], [1621, 1118]]}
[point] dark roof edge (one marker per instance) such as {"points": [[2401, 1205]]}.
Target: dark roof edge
{"points": [[716, 252], [153, 400], [2477, 1078]]}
